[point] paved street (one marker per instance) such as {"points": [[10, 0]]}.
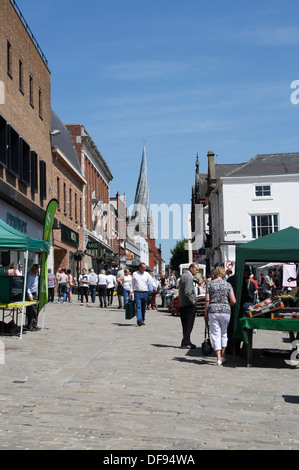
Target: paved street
{"points": [[93, 380]]}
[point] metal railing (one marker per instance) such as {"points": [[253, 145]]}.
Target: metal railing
{"points": [[29, 31]]}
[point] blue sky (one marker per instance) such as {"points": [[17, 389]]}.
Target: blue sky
{"points": [[183, 77]]}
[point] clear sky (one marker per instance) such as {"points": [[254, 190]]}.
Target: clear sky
{"points": [[184, 77]]}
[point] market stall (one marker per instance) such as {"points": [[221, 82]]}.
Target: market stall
{"points": [[282, 247], [11, 239]]}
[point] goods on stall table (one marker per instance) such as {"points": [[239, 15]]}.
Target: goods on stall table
{"points": [[273, 308], [264, 307]]}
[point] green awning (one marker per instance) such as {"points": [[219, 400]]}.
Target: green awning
{"points": [[281, 246], [11, 239]]}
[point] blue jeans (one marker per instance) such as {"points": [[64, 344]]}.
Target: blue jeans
{"points": [[93, 291], [126, 296], [140, 301]]}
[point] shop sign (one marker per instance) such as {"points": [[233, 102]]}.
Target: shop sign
{"points": [[93, 246], [16, 223], [69, 236]]}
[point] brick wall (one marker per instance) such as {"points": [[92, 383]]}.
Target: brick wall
{"points": [[28, 120]]}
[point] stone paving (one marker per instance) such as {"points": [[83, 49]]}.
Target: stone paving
{"points": [[92, 380]]}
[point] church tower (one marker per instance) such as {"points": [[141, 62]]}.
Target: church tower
{"points": [[141, 222], [141, 217]]}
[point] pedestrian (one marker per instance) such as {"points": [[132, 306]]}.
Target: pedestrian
{"points": [[70, 285], [119, 286], [269, 285], [19, 271], [220, 298], [83, 286], [256, 292], [102, 288], [62, 285], [110, 287], [32, 295], [11, 270], [51, 285], [152, 294], [127, 284], [93, 284], [187, 304], [140, 281]]}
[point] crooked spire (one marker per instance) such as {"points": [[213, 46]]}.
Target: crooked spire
{"points": [[142, 192]]}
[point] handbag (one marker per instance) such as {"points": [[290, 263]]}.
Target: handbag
{"points": [[206, 346], [130, 310]]}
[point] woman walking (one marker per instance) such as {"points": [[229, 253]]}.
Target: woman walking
{"points": [[62, 285], [127, 284], [84, 284], [110, 287], [102, 286], [220, 298]]}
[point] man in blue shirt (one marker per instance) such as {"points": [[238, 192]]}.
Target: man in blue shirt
{"points": [[32, 294]]}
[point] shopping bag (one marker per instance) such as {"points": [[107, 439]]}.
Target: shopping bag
{"points": [[130, 311], [206, 346]]}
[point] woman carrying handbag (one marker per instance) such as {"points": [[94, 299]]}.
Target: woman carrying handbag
{"points": [[220, 298]]}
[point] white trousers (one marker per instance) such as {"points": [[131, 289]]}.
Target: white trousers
{"points": [[218, 328]]}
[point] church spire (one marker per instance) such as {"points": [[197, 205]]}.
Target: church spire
{"points": [[142, 192]]}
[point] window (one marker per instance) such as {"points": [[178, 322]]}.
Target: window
{"points": [[21, 76], [70, 202], [64, 198], [3, 142], [9, 59], [14, 157], [34, 171], [25, 161], [40, 103], [262, 191], [262, 225], [31, 90], [76, 207], [58, 191], [43, 179]]}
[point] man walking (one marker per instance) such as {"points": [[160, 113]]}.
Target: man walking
{"points": [[269, 285], [32, 294], [187, 304], [140, 281]]}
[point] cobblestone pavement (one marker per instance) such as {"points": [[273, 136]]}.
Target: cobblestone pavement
{"points": [[93, 380]]}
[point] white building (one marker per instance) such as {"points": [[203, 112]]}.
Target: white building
{"points": [[250, 200]]}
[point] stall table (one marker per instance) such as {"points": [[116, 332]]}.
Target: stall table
{"points": [[248, 324], [13, 310]]}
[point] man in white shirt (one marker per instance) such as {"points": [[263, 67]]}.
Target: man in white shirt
{"points": [[140, 281]]}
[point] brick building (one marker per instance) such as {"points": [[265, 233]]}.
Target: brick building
{"points": [[25, 124], [67, 188], [96, 200], [118, 228]]}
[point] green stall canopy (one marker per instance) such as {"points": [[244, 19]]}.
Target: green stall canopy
{"points": [[11, 239], [281, 246]]}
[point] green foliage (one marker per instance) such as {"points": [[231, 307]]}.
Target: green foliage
{"points": [[179, 255]]}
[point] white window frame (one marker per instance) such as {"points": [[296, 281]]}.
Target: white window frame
{"points": [[260, 229]]}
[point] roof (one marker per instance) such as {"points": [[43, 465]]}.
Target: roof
{"points": [[64, 141], [268, 164], [224, 169]]}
